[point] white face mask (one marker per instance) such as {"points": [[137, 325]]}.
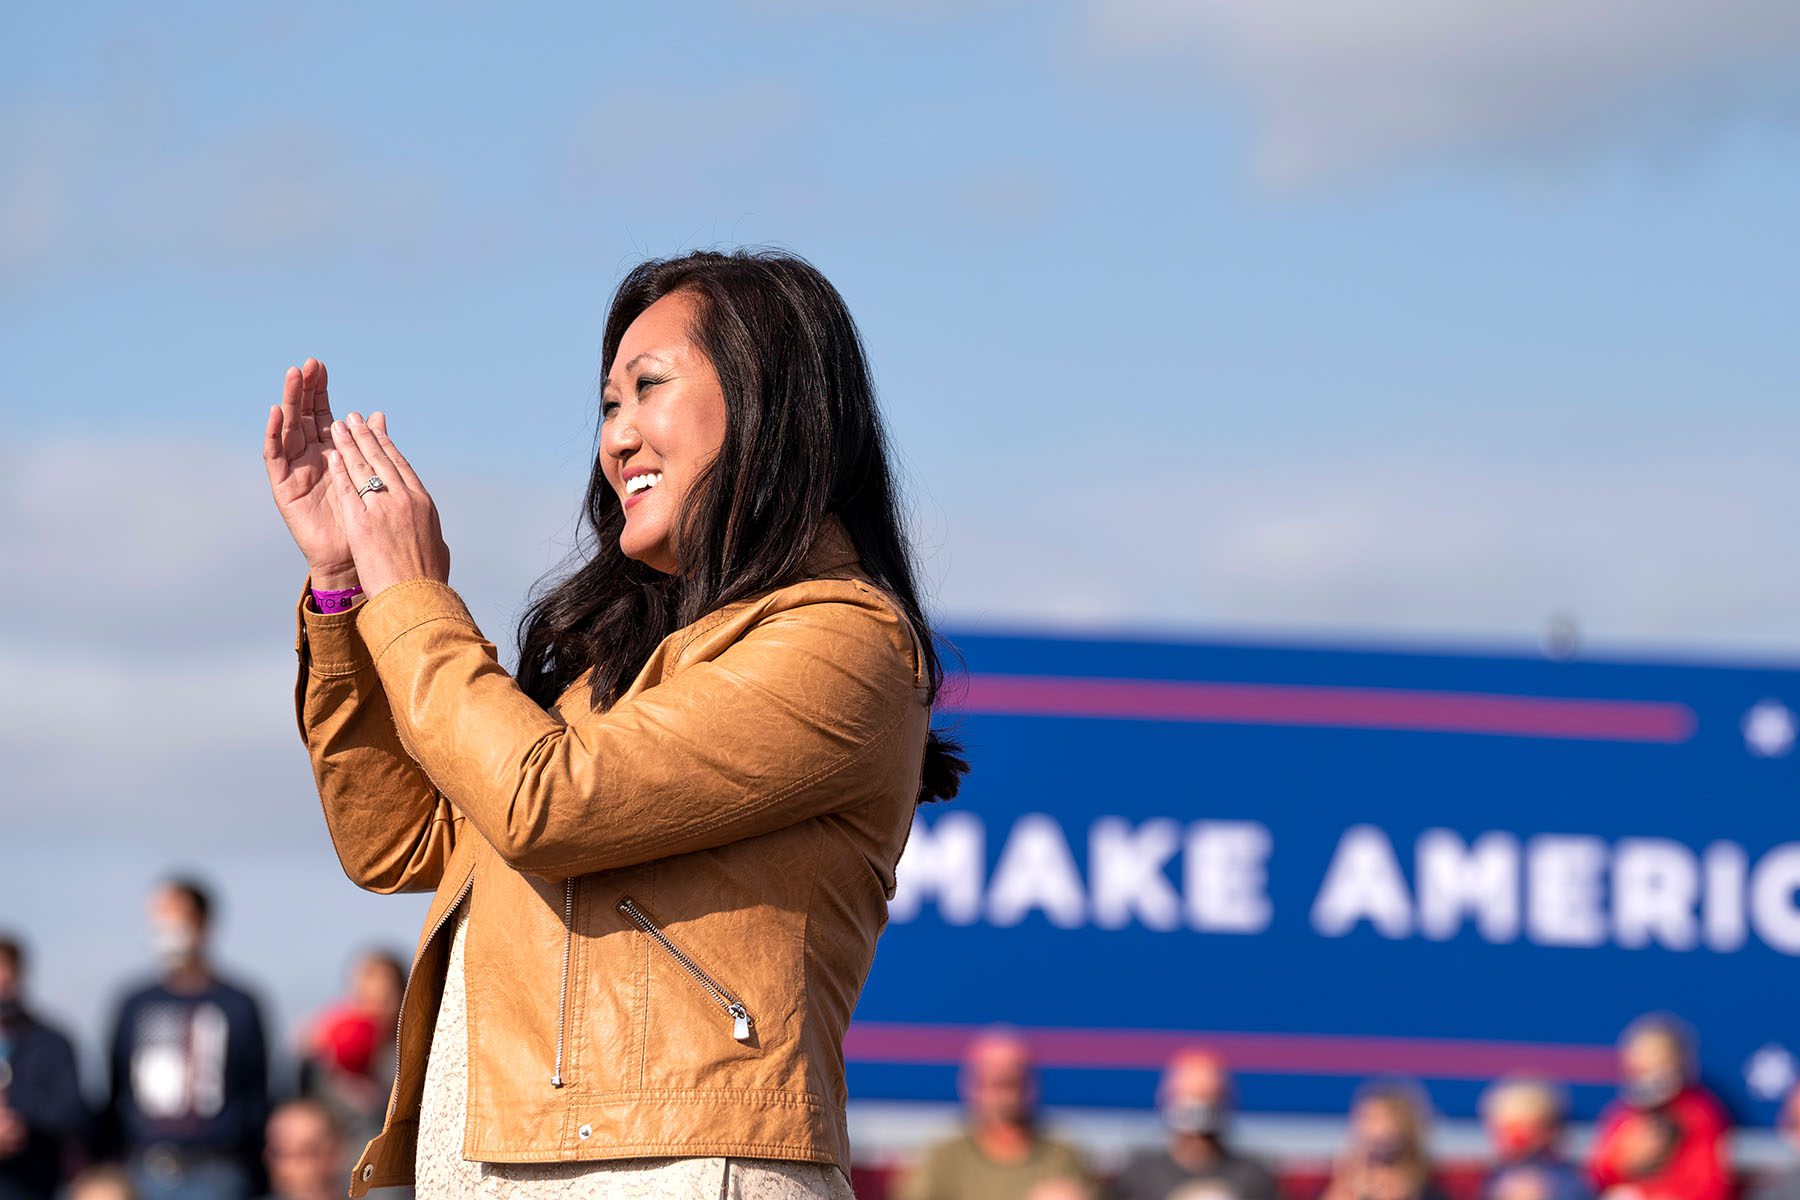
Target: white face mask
{"points": [[1654, 1089], [174, 944], [1200, 1117]]}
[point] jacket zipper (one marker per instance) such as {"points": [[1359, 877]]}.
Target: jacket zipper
{"points": [[740, 1018], [394, 1092], [562, 993]]}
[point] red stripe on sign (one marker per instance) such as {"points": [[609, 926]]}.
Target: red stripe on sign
{"points": [[1264, 1053], [1337, 707]]}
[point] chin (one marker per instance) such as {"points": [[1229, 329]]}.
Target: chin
{"points": [[649, 551]]}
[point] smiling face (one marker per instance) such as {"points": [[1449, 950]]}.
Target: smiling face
{"points": [[662, 420]]}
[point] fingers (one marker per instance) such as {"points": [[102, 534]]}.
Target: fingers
{"points": [[291, 417], [355, 461], [273, 458], [343, 489], [378, 426], [316, 400], [377, 458]]}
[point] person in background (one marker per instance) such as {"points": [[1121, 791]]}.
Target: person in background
{"points": [[1059, 1187], [1524, 1119], [103, 1181], [347, 1051], [1002, 1154], [188, 1093], [1785, 1183], [304, 1150], [1385, 1157], [1664, 1137], [42, 1114], [1195, 1100]]}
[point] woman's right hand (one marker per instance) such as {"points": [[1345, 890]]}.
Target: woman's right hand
{"points": [[295, 438]]}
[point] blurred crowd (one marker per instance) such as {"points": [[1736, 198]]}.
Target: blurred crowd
{"points": [[1665, 1137], [189, 1113]]}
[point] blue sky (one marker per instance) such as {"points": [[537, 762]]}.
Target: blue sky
{"points": [[1405, 320]]}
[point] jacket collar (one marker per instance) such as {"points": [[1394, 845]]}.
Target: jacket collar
{"points": [[831, 547]]}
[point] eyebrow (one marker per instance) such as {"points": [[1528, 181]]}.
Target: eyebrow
{"points": [[634, 362]]}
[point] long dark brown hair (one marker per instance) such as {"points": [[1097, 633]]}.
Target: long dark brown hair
{"points": [[798, 395]]}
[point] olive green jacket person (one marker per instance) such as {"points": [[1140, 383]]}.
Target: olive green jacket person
{"points": [[957, 1169], [674, 902]]}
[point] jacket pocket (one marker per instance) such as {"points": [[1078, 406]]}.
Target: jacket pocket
{"points": [[729, 1005]]}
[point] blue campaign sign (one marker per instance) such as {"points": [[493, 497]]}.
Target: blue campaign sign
{"points": [[1333, 864]]}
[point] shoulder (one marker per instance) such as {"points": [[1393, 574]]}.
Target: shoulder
{"points": [[1707, 1108], [1143, 1161], [1249, 1169], [48, 1036], [1063, 1154], [236, 997], [955, 1147], [229, 984], [846, 619], [135, 993]]}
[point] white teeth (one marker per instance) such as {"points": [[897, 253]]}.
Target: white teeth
{"points": [[638, 483]]}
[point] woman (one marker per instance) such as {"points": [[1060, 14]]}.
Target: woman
{"points": [[661, 855], [1385, 1158]]}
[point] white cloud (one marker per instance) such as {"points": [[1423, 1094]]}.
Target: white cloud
{"points": [[1338, 88], [1686, 547], [110, 182], [146, 661], [146, 658]]}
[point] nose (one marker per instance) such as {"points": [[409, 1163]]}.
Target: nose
{"points": [[618, 437]]}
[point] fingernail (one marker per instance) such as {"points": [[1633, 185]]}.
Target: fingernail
{"points": [[355, 416]]}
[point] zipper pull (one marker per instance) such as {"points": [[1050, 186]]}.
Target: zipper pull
{"points": [[740, 1022]]}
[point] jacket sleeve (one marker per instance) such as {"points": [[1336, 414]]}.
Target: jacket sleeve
{"points": [[779, 726], [55, 1109], [393, 830], [247, 1062], [107, 1140], [1700, 1168], [1603, 1167]]}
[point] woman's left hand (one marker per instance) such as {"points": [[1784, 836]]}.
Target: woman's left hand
{"points": [[393, 532]]}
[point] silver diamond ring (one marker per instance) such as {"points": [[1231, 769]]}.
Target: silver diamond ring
{"points": [[374, 485]]}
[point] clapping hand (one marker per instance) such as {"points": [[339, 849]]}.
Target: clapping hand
{"points": [[392, 528], [388, 531], [295, 440]]}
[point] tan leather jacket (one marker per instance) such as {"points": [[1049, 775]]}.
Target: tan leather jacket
{"points": [[674, 901]]}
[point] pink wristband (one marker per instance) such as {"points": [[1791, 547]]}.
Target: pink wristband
{"points": [[336, 600]]}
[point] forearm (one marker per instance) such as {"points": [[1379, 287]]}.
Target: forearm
{"points": [[390, 826], [810, 710]]}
